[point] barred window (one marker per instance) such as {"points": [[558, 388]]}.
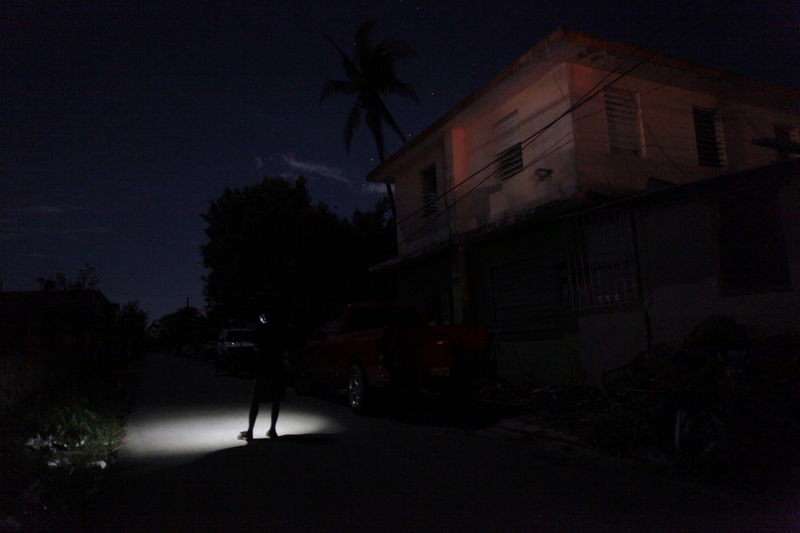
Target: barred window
{"points": [[624, 122], [430, 192], [602, 267], [708, 133]]}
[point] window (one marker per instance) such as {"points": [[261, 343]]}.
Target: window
{"points": [[624, 122], [602, 268], [508, 146], [708, 133], [752, 248], [430, 193]]}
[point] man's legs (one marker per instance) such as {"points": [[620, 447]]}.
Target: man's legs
{"points": [[276, 409], [251, 421]]}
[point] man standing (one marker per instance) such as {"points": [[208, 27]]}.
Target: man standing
{"points": [[270, 383]]}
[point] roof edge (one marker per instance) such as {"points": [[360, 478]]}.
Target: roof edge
{"points": [[562, 33]]}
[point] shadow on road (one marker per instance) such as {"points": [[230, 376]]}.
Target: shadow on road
{"points": [[308, 439], [425, 410]]}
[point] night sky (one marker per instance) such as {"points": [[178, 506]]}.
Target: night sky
{"points": [[121, 123]]}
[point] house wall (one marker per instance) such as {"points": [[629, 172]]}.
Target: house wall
{"points": [[575, 150], [535, 332], [415, 229], [464, 154], [679, 266], [428, 284], [678, 306], [537, 103], [670, 150]]}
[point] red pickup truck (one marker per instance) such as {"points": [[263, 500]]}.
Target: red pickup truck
{"points": [[374, 346]]}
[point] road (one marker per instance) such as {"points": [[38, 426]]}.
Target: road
{"points": [[181, 468]]}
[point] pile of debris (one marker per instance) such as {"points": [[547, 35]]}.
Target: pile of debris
{"points": [[721, 404]]}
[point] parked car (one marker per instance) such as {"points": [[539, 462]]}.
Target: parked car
{"points": [[235, 350], [388, 346]]}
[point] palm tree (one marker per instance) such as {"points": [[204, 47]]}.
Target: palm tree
{"points": [[370, 75]]}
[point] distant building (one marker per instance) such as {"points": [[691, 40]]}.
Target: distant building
{"points": [[55, 322], [594, 198]]}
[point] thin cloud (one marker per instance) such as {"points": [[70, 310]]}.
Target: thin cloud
{"points": [[94, 229], [318, 169], [9, 234], [44, 209], [69, 233], [373, 188]]}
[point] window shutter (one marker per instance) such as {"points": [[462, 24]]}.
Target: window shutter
{"points": [[624, 122], [708, 132], [430, 194], [507, 146]]}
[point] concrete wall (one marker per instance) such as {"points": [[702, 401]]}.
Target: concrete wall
{"points": [[609, 339], [677, 302], [427, 283], [536, 105], [679, 265], [670, 150], [575, 150], [462, 152], [415, 230]]}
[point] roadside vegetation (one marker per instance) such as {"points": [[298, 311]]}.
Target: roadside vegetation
{"points": [[56, 445], [65, 392]]}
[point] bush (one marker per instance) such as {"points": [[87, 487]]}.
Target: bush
{"points": [[54, 446]]}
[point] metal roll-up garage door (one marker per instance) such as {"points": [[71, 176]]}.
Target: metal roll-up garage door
{"points": [[525, 298]]}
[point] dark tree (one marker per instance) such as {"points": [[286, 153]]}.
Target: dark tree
{"points": [[270, 250], [185, 330], [86, 279], [131, 328], [369, 76], [375, 237]]}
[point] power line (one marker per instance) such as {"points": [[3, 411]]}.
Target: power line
{"points": [[553, 149], [589, 95]]}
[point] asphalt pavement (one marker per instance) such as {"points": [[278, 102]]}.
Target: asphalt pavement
{"points": [[409, 469]]}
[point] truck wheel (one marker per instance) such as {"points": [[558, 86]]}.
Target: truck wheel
{"points": [[357, 389]]}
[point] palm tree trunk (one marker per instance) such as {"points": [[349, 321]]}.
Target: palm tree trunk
{"points": [[390, 194]]}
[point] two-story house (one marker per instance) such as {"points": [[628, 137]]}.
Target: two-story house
{"points": [[559, 205]]}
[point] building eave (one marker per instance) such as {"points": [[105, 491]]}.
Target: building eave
{"points": [[546, 49], [585, 202]]}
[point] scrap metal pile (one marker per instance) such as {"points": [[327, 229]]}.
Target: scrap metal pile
{"points": [[718, 401]]}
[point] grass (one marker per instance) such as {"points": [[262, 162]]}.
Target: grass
{"points": [[51, 444]]}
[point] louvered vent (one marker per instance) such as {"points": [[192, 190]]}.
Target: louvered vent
{"points": [[430, 193], [710, 143], [624, 122], [508, 146], [511, 161]]}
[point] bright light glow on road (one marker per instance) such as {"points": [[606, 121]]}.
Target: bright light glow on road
{"points": [[182, 435]]}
